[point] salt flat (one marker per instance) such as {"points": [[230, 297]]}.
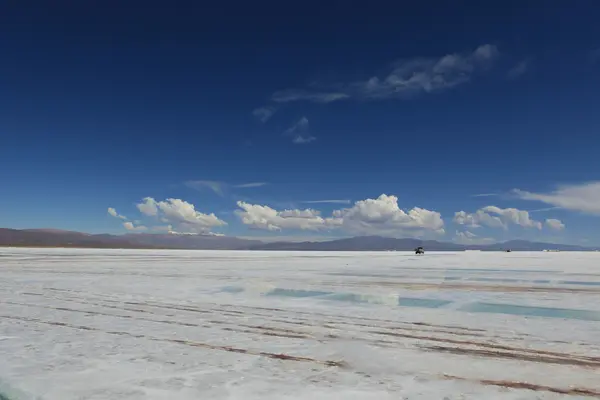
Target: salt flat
{"points": [[138, 324]]}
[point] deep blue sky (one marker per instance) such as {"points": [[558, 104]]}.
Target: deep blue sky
{"points": [[104, 103]]}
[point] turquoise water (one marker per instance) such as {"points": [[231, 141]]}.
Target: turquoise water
{"points": [[511, 309], [425, 303], [580, 283], [296, 293], [477, 307], [357, 298]]}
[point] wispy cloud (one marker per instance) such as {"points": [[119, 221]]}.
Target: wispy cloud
{"points": [[215, 186], [263, 114], [220, 187], [326, 201], [250, 185], [300, 132], [304, 139], [544, 209], [519, 69], [289, 95], [584, 197], [485, 195], [407, 78]]}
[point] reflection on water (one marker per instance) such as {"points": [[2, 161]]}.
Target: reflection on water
{"points": [[476, 307], [529, 311], [359, 298]]}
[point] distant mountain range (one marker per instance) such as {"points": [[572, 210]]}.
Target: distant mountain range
{"points": [[60, 238]]}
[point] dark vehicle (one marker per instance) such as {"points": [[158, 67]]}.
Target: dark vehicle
{"points": [[419, 250]]}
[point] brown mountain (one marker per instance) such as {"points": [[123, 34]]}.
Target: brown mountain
{"points": [[61, 238], [58, 238]]}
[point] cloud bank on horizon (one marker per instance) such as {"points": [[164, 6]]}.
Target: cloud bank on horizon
{"points": [[371, 216]]}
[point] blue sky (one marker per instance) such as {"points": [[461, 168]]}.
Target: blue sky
{"points": [[249, 119]]}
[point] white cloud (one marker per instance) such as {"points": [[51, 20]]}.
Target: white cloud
{"points": [[555, 224], [115, 214], [180, 213], [467, 237], [162, 228], [477, 219], [583, 197], [466, 234], [485, 195], [407, 78], [543, 209], [130, 227], [371, 216], [520, 69], [148, 207], [514, 216], [495, 217], [384, 214], [300, 132], [263, 114], [265, 217]]}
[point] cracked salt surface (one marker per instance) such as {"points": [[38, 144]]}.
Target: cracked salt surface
{"points": [[138, 324]]}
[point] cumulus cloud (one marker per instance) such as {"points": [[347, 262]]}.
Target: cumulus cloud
{"points": [[180, 213], [384, 214], [148, 207], [131, 227], [300, 132], [114, 213], [495, 217], [265, 217], [263, 114], [583, 197], [555, 224], [407, 78], [381, 215]]}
